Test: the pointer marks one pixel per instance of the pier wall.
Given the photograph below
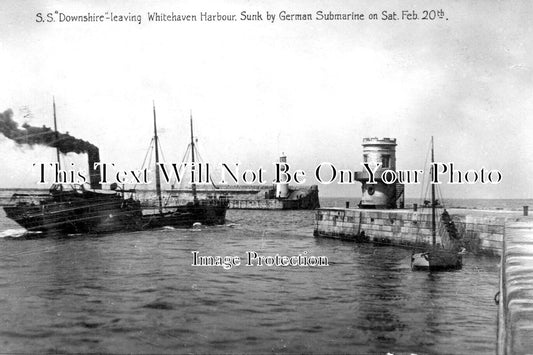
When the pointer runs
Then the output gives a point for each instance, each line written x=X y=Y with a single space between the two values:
x=394 y=227
x=482 y=231
x=241 y=197
x=515 y=312
x=482 y=234
x=258 y=197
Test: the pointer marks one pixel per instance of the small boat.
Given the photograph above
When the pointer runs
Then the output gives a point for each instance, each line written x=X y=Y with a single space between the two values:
x=437 y=259
x=210 y=211
x=448 y=255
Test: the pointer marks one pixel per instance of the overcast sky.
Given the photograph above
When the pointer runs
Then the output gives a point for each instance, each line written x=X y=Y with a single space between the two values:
x=311 y=89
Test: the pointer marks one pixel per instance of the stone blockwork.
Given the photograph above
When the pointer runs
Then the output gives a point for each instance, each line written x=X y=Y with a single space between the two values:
x=515 y=299
x=270 y=204
x=398 y=227
x=482 y=231
x=481 y=234
x=240 y=197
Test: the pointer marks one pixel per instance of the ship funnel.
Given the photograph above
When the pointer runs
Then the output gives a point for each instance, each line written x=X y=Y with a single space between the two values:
x=93 y=156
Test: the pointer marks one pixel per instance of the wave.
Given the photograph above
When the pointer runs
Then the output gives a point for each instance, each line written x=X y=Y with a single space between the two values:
x=16 y=233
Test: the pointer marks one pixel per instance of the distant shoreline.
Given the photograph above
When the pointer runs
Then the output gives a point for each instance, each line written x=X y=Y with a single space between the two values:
x=411 y=199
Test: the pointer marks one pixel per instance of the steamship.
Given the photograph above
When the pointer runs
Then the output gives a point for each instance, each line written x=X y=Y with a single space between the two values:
x=70 y=208
x=75 y=210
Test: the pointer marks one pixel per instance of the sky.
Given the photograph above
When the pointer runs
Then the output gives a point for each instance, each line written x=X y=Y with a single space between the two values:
x=310 y=89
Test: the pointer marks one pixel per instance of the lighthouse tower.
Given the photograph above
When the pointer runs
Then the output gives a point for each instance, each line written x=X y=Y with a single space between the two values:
x=379 y=195
x=282 y=188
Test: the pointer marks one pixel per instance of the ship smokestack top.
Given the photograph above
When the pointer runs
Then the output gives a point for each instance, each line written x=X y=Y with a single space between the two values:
x=30 y=135
x=93 y=156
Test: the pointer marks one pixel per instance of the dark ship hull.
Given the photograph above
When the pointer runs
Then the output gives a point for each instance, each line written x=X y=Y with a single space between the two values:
x=204 y=212
x=76 y=211
x=437 y=260
x=86 y=211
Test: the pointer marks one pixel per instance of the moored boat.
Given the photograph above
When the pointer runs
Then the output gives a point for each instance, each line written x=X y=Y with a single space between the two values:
x=437 y=259
x=448 y=255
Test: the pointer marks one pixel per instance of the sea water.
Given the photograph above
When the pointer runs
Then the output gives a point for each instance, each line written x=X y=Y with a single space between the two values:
x=138 y=293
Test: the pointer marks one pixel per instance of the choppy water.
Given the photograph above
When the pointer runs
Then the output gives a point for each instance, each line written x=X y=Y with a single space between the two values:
x=138 y=293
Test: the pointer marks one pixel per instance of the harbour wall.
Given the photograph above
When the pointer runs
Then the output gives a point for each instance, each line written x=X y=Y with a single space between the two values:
x=241 y=197
x=515 y=298
x=482 y=231
x=258 y=197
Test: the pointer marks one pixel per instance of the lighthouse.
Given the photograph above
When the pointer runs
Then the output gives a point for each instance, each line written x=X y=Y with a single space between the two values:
x=282 y=188
x=379 y=195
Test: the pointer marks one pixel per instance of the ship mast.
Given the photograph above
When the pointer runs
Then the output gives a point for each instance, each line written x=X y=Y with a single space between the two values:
x=193 y=185
x=56 y=134
x=433 y=223
x=157 y=177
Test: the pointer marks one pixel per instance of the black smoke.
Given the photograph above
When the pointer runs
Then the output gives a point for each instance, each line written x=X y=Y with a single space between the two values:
x=31 y=135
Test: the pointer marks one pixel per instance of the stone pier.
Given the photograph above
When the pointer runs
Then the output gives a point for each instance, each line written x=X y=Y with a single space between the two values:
x=515 y=313
x=482 y=231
